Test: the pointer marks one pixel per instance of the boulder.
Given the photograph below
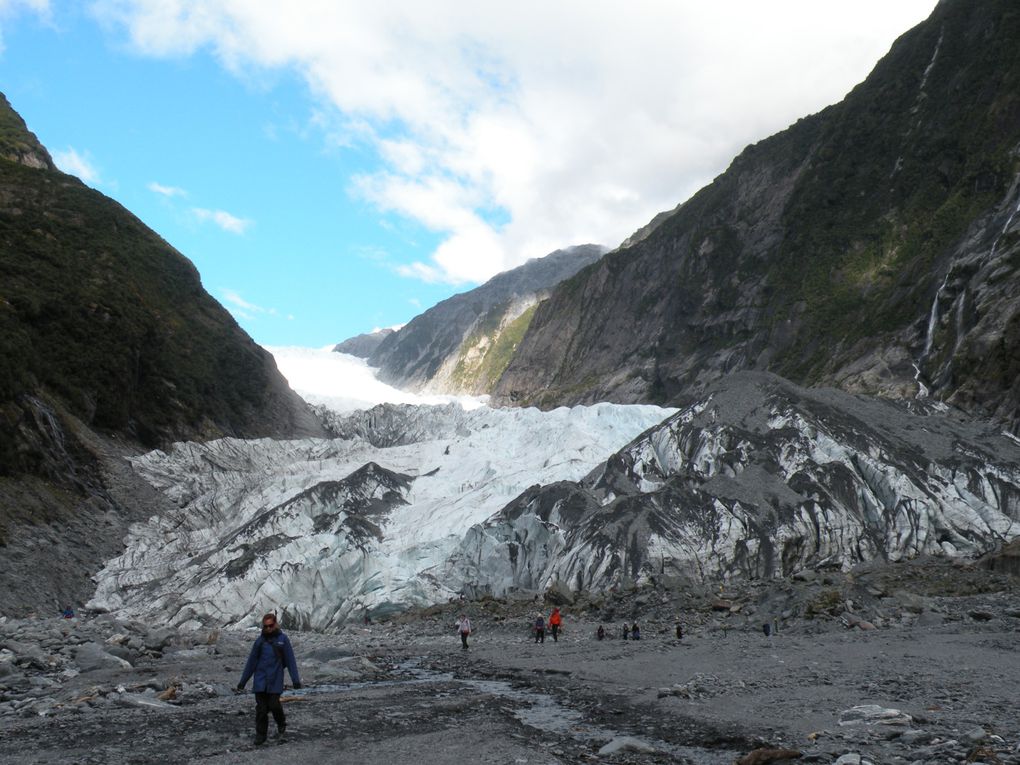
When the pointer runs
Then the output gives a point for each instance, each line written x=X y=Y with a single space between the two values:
x=91 y=656
x=559 y=594
x=157 y=639
x=873 y=714
x=627 y=744
x=765 y=755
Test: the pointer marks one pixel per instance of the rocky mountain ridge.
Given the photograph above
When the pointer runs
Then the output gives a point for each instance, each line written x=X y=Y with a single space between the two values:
x=872 y=246
x=463 y=344
x=109 y=346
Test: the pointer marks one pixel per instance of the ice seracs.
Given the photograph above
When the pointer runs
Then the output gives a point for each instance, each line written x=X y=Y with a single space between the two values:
x=760 y=479
x=330 y=529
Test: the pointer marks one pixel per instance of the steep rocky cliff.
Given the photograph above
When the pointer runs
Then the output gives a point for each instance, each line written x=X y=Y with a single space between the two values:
x=364 y=345
x=873 y=246
x=108 y=345
x=463 y=344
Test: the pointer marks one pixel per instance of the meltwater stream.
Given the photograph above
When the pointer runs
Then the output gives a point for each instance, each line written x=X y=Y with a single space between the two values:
x=540 y=711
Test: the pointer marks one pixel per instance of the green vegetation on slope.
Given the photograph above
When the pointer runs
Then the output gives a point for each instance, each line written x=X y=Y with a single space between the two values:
x=486 y=352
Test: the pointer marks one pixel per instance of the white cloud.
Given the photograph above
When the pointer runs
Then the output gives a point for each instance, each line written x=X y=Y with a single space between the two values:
x=238 y=306
x=166 y=191
x=576 y=121
x=11 y=8
x=74 y=163
x=223 y=219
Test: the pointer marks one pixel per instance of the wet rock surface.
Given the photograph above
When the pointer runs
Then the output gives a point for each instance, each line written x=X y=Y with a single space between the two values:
x=101 y=689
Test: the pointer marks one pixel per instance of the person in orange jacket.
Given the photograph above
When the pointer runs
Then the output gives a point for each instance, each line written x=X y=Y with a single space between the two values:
x=555 y=620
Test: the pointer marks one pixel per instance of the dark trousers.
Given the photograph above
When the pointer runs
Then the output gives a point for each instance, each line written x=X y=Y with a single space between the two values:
x=539 y=636
x=264 y=704
x=463 y=639
x=555 y=631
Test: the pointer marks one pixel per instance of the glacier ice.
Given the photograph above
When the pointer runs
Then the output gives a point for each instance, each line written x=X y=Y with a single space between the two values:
x=329 y=529
x=760 y=479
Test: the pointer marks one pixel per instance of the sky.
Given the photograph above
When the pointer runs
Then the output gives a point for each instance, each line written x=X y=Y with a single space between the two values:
x=332 y=167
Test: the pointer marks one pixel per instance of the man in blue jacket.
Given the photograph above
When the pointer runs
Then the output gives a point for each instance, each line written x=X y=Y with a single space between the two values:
x=270 y=653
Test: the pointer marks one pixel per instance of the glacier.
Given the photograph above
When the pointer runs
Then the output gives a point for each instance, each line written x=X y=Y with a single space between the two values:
x=760 y=478
x=326 y=530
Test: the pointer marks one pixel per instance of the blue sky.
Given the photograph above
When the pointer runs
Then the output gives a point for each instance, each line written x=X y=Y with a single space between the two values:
x=336 y=167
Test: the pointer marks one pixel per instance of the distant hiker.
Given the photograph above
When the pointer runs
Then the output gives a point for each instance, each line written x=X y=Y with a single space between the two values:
x=68 y=613
x=464 y=628
x=635 y=632
x=679 y=631
x=626 y=630
x=269 y=654
x=767 y=628
x=539 y=629
x=600 y=633
x=555 y=620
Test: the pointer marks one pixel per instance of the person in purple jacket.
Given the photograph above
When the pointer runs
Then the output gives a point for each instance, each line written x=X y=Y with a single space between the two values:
x=270 y=653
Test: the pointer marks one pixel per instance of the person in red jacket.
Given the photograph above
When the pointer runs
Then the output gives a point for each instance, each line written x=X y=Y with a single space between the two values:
x=555 y=620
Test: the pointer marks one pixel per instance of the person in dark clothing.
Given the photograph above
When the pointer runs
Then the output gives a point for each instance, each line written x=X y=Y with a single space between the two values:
x=270 y=653
x=539 y=628
x=679 y=631
x=635 y=632
x=600 y=634
x=626 y=630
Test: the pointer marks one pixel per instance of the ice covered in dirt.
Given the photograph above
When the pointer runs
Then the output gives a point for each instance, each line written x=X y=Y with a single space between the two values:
x=328 y=529
x=760 y=478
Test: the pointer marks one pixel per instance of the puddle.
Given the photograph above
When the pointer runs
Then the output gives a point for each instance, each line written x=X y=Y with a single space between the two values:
x=540 y=711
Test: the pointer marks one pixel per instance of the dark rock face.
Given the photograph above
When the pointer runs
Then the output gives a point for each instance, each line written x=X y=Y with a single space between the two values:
x=872 y=246
x=108 y=345
x=363 y=346
x=414 y=355
x=760 y=479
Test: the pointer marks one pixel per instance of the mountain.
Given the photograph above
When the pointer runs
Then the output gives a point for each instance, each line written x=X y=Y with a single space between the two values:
x=873 y=246
x=462 y=344
x=108 y=345
x=757 y=479
x=363 y=346
x=327 y=530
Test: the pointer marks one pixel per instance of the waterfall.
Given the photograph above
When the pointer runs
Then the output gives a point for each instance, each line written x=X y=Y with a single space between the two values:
x=1009 y=222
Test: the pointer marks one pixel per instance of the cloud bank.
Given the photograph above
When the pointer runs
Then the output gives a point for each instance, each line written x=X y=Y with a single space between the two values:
x=345 y=383
x=512 y=129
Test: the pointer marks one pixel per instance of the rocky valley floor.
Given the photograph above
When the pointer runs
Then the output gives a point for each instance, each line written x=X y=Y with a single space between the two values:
x=913 y=663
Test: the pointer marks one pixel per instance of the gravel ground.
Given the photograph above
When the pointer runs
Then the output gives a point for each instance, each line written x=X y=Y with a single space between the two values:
x=932 y=682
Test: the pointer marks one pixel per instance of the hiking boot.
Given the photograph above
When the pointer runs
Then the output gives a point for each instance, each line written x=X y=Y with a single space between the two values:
x=260 y=739
x=281 y=734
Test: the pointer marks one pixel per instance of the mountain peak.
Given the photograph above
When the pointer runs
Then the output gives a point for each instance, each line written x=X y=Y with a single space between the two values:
x=18 y=143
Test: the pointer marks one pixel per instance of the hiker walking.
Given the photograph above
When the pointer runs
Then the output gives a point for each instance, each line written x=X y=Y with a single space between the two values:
x=635 y=632
x=539 y=628
x=269 y=654
x=600 y=633
x=555 y=620
x=464 y=628
x=626 y=630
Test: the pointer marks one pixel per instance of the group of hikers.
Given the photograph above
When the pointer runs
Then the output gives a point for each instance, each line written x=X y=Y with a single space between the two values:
x=554 y=624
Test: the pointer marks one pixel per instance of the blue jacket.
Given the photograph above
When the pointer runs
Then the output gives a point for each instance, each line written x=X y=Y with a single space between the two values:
x=266 y=661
